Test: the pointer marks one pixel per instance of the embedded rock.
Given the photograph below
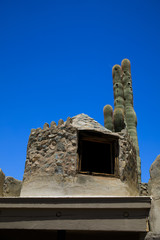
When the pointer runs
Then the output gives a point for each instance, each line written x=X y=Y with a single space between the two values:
x=60 y=122
x=53 y=124
x=152 y=236
x=12 y=187
x=144 y=190
x=45 y=126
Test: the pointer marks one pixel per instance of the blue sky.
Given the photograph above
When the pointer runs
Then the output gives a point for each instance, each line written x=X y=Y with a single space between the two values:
x=56 y=61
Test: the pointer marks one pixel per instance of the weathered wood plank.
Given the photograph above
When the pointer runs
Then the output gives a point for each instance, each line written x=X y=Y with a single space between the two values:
x=76 y=205
x=101 y=214
x=77 y=202
x=74 y=213
x=133 y=225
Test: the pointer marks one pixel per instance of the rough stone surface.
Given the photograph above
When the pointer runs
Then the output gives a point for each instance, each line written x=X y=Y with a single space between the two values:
x=2 y=177
x=84 y=122
x=127 y=161
x=51 y=164
x=45 y=126
x=60 y=122
x=51 y=152
x=144 y=190
x=12 y=187
x=154 y=186
x=152 y=236
x=53 y=124
x=154 y=181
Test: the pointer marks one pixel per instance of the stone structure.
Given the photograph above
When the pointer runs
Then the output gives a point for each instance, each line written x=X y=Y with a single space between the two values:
x=12 y=187
x=53 y=165
x=152 y=236
x=9 y=186
x=154 y=186
x=144 y=190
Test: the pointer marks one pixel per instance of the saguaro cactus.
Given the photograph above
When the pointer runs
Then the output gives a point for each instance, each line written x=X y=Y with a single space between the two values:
x=108 y=117
x=124 y=115
x=130 y=115
x=118 y=114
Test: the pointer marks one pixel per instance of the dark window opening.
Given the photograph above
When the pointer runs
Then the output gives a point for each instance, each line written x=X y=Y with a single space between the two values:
x=96 y=157
x=97 y=154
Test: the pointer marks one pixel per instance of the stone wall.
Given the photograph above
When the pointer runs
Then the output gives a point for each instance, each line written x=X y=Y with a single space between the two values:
x=52 y=156
x=51 y=151
x=154 y=190
x=152 y=236
x=12 y=187
x=9 y=186
x=154 y=186
x=128 y=162
x=144 y=189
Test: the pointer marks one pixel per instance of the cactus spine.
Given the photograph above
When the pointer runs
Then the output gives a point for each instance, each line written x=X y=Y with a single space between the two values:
x=130 y=115
x=108 y=117
x=118 y=114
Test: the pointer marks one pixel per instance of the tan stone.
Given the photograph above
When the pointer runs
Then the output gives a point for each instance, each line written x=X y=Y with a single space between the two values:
x=2 y=177
x=12 y=187
x=154 y=186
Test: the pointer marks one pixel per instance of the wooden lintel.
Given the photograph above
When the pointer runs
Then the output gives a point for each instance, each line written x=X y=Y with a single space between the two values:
x=94 y=214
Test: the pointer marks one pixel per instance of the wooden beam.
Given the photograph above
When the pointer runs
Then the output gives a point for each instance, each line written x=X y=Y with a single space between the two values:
x=93 y=214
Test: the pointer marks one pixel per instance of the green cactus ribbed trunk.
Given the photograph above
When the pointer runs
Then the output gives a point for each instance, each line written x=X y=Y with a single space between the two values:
x=123 y=115
x=108 y=117
x=118 y=114
x=130 y=115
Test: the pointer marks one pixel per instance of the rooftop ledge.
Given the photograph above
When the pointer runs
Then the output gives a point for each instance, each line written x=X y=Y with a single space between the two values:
x=76 y=213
